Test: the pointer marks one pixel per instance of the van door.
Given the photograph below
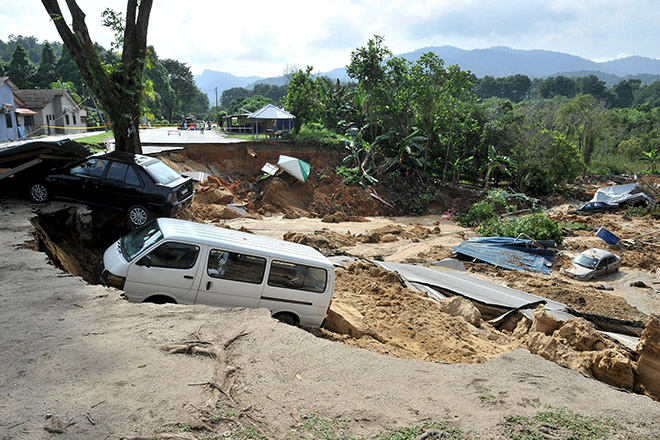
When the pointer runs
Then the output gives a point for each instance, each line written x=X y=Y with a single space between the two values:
x=169 y=270
x=303 y=289
x=231 y=279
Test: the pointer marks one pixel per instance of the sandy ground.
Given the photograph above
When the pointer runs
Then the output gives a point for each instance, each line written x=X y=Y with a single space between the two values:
x=80 y=362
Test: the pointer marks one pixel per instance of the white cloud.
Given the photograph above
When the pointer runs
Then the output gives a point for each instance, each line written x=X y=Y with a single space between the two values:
x=263 y=38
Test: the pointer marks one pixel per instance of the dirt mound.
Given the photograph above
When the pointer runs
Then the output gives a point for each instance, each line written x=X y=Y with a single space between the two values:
x=648 y=367
x=390 y=319
x=329 y=242
x=373 y=310
x=326 y=242
x=576 y=344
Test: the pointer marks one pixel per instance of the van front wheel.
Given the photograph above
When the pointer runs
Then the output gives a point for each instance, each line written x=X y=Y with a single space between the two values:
x=287 y=318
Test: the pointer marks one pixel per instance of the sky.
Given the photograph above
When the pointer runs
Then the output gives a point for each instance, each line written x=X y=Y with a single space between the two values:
x=269 y=38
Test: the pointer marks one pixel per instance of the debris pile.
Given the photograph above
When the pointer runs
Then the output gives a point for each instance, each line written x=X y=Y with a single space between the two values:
x=373 y=310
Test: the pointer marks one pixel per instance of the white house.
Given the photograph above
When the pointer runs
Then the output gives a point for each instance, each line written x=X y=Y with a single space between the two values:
x=56 y=111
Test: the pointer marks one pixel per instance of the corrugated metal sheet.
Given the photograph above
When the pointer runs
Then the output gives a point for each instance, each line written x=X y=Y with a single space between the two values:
x=470 y=287
x=508 y=253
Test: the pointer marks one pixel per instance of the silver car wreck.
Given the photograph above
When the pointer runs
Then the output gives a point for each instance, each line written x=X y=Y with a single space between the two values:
x=593 y=263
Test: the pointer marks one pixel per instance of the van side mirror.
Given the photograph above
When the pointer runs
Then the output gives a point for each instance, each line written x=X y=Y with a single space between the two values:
x=144 y=261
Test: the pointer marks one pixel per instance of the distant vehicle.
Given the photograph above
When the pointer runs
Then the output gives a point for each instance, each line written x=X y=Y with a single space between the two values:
x=144 y=187
x=177 y=261
x=596 y=207
x=637 y=199
x=593 y=263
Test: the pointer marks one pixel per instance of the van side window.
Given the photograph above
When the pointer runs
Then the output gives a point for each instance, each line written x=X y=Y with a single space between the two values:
x=174 y=255
x=297 y=276
x=236 y=267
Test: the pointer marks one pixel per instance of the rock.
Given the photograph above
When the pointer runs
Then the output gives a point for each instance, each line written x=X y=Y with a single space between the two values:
x=220 y=212
x=216 y=196
x=612 y=367
x=335 y=218
x=346 y=320
x=552 y=349
x=522 y=327
x=581 y=335
x=648 y=365
x=459 y=306
x=544 y=322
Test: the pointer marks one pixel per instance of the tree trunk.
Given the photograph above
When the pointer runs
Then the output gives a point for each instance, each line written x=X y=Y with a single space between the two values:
x=119 y=93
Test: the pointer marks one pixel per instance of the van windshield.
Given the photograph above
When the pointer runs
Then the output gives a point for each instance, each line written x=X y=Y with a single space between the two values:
x=132 y=244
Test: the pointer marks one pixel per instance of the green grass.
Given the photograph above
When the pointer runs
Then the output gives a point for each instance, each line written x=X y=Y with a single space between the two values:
x=565 y=424
x=249 y=137
x=317 y=428
x=96 y=139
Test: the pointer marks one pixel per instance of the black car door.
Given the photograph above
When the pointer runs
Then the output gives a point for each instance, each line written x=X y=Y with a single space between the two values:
x=81 y=181
x=122 y=187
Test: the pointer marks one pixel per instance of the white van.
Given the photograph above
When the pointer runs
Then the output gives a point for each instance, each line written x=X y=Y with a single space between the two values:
x=177 y=261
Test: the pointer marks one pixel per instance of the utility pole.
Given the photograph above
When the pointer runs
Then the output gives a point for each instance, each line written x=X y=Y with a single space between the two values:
x=217 y=113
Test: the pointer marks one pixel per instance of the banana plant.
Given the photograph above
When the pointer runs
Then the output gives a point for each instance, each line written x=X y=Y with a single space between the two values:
x=653 y=157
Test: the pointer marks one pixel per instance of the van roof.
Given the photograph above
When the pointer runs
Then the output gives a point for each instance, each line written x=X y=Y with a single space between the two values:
x=229 y=239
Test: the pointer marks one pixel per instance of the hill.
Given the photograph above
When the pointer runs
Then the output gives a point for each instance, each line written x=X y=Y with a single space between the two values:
x=495 y=61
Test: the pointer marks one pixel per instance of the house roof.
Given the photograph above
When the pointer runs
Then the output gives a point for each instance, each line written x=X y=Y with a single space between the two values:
x=39 y=98
x=271 y=112
x=5 y=79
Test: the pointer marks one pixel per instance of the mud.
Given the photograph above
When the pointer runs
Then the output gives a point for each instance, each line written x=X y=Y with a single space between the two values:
x=372 y=308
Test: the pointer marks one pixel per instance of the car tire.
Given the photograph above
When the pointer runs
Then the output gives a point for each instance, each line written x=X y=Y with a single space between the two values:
x=287 y=318
x=39 y=192
x=138 y=215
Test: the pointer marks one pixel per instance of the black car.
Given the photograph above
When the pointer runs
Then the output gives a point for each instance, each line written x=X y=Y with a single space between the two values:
x=596 y=207
x=144 y=187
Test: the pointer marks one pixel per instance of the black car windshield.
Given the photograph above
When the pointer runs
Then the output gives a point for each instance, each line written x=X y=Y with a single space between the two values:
x=161 y=173
x=140 y=239
x=586 y=261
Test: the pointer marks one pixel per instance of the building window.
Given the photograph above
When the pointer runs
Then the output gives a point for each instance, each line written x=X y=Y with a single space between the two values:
x=29 y=120
x=66 y=119
x=74 y=120
x=8 y=120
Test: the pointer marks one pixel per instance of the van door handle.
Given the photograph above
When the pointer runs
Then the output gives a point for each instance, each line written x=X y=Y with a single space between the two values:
x=188 y=277
x=208 y=285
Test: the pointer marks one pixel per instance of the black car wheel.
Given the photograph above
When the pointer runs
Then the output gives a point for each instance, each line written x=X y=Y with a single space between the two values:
x=286 y=318
x=138 y=215
x=38 y=192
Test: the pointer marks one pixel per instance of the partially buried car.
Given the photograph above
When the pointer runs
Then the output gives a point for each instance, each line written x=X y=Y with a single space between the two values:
x=144 y=187
x=593 y=263
x=596 y=207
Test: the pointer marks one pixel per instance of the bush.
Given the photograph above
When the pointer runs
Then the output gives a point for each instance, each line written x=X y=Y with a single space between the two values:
x=537 y=226
x=478 y=214
x=349 y=176
x=315 y=133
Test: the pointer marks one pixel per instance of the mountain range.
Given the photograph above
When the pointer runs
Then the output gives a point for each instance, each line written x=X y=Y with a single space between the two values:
x=495 y=61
